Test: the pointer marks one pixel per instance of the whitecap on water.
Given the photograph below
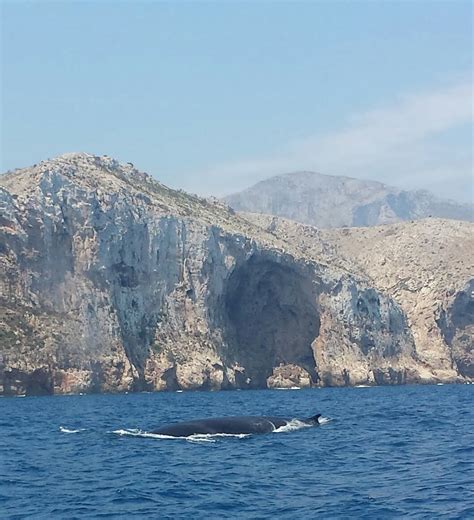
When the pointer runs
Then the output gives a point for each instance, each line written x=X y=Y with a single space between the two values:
x=67 y=430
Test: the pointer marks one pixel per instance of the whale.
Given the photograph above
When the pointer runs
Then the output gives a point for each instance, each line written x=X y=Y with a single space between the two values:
x=247 y=424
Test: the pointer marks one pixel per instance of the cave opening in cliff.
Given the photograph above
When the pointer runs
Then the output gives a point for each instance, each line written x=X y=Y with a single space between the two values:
x=272 y=317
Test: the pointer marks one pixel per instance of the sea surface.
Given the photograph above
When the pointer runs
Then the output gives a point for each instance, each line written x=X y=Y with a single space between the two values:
x=388 y=452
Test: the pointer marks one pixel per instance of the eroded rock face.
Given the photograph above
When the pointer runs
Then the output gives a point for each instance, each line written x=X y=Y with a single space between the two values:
x=289 y=376
x=456 y=322
x=426 y=267
x=112 y=282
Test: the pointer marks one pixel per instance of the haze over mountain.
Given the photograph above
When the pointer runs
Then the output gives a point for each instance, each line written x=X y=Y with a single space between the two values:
x=328 y=201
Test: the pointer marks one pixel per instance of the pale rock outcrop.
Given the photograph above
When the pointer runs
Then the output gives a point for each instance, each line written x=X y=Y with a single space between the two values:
x=289 y=376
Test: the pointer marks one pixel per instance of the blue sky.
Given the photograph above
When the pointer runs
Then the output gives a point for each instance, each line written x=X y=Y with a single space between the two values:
x=213 y=96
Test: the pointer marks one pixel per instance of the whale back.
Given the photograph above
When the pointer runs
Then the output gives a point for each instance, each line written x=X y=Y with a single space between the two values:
x=229 y=425
x=226 y=425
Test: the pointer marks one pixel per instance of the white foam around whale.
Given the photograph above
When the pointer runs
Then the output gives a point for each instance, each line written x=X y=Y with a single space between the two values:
x=324 y=420
x=294 y=424
x=199 y=437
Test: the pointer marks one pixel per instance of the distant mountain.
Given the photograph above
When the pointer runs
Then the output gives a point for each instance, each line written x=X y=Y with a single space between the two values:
x=327 y=201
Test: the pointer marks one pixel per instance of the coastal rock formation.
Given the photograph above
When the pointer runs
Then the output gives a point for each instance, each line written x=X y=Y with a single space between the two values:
x=112 y=282
x=289 y=376
x=426 y=266
x=329 y=201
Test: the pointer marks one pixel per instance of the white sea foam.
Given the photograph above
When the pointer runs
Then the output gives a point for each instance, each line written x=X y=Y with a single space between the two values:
x=201 y=437
x=324 y=420
x=67 y=430
x=211 y=437
x=297 y=424
x=294 y=424
x=140 y=433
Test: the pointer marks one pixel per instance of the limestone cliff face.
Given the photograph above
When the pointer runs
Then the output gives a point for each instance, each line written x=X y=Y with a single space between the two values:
x=110 y=281
x=426 y=266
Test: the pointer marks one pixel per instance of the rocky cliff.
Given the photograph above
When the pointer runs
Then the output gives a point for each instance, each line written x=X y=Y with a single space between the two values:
x=110 y=281
x=426 y=266
x=328 y=201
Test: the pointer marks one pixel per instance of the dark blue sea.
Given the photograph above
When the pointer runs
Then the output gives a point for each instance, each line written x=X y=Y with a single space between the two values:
x=388 y=452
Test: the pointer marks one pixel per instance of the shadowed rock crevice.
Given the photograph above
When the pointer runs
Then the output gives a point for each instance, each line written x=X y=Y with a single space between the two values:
x=37 y=382
x=457 y=326
x=272 y=317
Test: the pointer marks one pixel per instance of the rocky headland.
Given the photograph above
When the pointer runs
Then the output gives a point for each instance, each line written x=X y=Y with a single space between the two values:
x=426 y=266
x=112 y=282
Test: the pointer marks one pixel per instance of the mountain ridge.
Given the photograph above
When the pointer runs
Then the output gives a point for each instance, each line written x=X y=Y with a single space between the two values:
x=328 y=201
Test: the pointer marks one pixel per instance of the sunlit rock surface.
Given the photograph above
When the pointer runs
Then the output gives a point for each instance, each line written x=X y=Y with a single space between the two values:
x=112 y=282
x=426 y=266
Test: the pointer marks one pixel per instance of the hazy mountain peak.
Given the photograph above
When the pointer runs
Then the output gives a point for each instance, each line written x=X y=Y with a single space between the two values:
x=329 y=201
